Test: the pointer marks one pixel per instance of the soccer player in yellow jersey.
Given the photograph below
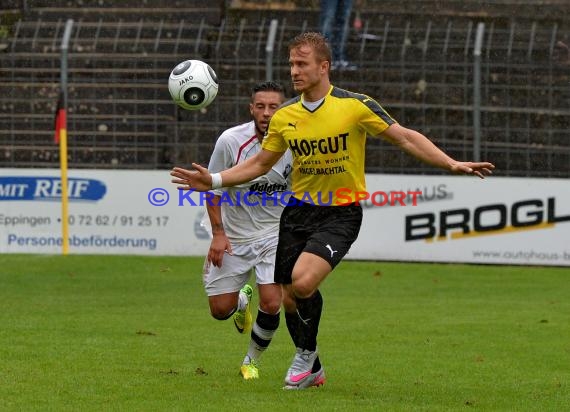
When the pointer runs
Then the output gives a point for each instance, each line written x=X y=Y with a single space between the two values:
x=325 y=128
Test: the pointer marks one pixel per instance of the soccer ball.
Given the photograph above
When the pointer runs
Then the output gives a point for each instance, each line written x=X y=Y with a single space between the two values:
x=193 y=84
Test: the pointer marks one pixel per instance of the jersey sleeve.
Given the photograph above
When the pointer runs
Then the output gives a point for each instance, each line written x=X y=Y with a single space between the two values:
x=375 y=119
x=221 y=158
x=273 y=140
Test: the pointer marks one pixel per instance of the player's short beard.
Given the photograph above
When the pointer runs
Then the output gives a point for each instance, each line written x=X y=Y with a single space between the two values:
x=257 y=129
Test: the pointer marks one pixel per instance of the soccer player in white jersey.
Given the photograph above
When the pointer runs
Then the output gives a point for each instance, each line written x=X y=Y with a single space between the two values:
x=245 y=225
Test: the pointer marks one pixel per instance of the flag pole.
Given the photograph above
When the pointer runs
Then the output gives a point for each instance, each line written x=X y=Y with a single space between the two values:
x=63 y=139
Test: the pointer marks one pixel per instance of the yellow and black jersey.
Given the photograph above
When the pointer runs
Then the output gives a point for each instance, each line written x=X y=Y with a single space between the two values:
x=328 y=143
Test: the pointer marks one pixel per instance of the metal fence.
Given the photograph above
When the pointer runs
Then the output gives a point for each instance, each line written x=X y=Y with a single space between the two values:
x=513 y=95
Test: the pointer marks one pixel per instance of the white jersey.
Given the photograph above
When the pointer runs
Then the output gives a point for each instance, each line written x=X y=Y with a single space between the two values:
x=250 y=211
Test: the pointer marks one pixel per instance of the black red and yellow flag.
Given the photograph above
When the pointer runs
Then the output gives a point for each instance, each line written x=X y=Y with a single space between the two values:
x=60 y=119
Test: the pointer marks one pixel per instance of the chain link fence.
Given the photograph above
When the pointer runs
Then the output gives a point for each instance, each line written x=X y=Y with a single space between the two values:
x=514 y=96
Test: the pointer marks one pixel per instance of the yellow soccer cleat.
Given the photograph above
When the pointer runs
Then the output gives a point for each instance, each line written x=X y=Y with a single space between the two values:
x=242 y=318
x=249 y=371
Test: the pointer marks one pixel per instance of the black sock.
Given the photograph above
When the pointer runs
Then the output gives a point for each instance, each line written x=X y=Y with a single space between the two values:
x=268 y=325
x=292 y=320
x=309 y=311
x=316 y=365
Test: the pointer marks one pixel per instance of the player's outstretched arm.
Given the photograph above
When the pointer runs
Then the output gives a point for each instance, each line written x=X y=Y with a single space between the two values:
x=422 y=148
x=200 y=179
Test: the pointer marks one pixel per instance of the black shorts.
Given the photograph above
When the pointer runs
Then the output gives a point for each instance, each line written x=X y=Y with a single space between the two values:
x=325 y=231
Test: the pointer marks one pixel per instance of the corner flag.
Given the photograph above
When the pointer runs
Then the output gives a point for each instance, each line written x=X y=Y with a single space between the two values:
x=60 y=119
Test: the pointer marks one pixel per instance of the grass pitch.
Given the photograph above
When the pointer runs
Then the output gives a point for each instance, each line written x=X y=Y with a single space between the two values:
x=96 y=333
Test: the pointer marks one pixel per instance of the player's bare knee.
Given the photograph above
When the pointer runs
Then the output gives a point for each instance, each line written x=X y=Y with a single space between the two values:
x=303 y=288
x=270 y=298
x=222 y=310
x=270 y=307
x=220 y=314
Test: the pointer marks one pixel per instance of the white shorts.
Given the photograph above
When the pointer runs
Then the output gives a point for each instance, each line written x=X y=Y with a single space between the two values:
x=236 y=268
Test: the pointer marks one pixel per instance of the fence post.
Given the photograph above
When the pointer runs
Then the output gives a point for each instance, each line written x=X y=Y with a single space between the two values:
x=269 y=48
x=477 y=92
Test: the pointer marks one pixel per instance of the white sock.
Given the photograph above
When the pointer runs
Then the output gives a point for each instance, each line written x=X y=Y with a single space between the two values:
x=246 y=360
x=254 y=351
x=242 y=301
